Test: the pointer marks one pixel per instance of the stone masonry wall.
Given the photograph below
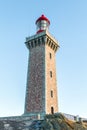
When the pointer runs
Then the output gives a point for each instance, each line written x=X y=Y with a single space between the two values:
x=51 y=83
x=35 y=93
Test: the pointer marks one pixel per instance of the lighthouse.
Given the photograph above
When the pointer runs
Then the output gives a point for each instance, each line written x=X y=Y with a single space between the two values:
x=41 y=88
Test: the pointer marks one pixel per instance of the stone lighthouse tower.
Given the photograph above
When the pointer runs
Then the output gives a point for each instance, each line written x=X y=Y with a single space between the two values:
x=41 y=90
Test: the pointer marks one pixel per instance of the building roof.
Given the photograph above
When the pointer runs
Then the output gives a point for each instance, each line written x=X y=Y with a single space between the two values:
x=42 y=18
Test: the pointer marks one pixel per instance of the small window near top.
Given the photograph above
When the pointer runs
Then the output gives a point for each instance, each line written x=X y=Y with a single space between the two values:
x=50 y=55
x=51 y=74
x=51 y=93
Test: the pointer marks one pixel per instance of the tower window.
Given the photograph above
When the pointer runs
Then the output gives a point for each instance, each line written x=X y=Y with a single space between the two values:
x=52 y=110
x=51 y=93
x=51 y=74
x=50 y=55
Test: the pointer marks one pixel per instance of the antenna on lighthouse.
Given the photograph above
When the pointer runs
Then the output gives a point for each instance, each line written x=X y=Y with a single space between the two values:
x=42 y=23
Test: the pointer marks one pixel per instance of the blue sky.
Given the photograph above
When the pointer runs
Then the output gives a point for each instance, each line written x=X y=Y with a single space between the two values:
x=69 y=26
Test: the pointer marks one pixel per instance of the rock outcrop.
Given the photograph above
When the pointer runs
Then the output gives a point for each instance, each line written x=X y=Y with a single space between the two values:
x=50 y=122
x=60 y=122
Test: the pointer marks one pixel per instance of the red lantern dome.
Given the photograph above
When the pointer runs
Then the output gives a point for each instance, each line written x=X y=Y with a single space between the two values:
x=42 y=24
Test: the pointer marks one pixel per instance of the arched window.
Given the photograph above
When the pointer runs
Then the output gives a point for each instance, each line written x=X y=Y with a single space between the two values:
x=51 y=93
x=50 y=55
x=51 y=74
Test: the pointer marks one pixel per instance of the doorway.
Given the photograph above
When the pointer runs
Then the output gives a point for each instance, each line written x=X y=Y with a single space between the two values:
x=52 y=110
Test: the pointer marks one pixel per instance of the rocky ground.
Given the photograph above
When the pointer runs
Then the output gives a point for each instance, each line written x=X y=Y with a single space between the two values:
x=59 y=122
x=50 y=122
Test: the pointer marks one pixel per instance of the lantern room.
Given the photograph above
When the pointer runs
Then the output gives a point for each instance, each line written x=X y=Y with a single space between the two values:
x=42 y=24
